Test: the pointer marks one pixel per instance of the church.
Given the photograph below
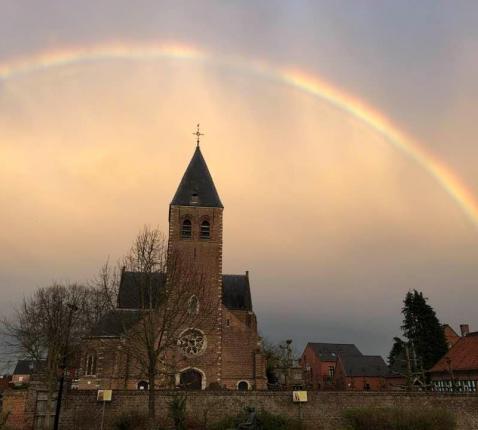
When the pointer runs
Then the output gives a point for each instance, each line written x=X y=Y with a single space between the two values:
x=229 y=354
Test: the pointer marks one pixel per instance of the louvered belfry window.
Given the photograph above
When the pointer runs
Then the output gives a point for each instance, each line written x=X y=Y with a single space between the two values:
x=205 y=230
x=186 y=229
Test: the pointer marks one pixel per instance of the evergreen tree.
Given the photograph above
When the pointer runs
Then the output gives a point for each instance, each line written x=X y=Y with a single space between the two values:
x=423 y=330
x=397 y=352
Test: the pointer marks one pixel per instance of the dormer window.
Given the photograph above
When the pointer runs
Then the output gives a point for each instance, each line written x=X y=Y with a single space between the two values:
x=194 y=199
x=205 y=232
x=186 y=229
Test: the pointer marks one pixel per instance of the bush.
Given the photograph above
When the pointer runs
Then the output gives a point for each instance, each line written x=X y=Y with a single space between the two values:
x=130 y=421
x=177 y=411
x=266 y=421
x=398 y=419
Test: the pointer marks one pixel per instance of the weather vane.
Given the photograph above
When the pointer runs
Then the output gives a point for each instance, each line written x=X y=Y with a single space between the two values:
x=198 y=135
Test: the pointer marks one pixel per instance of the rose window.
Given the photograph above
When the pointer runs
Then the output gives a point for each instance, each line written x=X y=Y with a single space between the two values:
x=192 y=342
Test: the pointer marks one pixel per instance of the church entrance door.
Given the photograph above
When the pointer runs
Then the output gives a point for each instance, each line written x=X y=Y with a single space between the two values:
x=191 y=379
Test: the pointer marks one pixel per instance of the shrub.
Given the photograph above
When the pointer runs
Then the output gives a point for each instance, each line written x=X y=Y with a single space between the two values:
x=130 y=421
x=177 y=411
x=394 y=418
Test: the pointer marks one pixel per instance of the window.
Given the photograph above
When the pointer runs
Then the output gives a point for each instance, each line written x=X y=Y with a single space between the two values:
x=186 y=229
x=193 y=305
x=331 y=371
x=90 y=365
x=243 y=386
x=143 y=386
x=194 y=198
x=205 y=230
x=192 y=342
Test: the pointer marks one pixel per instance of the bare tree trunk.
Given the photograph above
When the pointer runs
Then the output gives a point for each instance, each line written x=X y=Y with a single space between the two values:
x=151 y=400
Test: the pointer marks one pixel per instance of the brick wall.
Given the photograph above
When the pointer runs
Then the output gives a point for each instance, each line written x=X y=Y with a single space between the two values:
x=14 y=404
x=81 y=411
x=323 y=411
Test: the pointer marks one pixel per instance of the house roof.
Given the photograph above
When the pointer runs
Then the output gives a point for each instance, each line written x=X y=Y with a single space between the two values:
x=330 y=351
x=236 y=292
x=364 y=365
x=463 y=355
x=25 y=367
x=197 y=187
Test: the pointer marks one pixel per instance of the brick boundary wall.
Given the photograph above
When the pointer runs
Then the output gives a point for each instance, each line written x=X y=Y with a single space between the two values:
x=323 y=411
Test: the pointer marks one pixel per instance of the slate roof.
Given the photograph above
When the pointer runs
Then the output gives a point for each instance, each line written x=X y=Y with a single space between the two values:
x=236 y=292
x=116 y=322
x=364 y=365
x=197 y=187
x=134 y=291
x=462 y=356
x=25 y=367
x=330 y=351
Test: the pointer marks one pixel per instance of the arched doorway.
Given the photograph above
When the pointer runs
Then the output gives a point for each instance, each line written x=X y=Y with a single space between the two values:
x=191 y=379
x=143 y=385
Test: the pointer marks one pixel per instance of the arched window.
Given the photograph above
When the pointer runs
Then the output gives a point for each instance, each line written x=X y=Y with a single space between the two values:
x=90 y=364
x=205 y=230
x=186 y=229
x=193 y=305
x=143 y=385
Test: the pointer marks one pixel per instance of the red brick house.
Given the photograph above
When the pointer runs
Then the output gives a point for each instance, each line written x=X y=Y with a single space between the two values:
x=228 y=354
x=319 y=361
x=361 y=373
x=458 y=369
x=23 y=372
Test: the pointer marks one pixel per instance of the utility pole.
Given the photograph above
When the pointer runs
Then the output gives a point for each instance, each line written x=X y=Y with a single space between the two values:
x=56 y=424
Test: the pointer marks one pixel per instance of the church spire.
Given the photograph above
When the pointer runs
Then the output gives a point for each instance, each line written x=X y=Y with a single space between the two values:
x=197 y=187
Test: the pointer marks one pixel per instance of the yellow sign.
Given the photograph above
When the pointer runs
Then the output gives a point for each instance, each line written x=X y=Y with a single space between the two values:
x=299 y=396
x=104 y=395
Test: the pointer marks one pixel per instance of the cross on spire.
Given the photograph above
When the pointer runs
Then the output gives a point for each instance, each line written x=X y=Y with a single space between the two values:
x=198 y=135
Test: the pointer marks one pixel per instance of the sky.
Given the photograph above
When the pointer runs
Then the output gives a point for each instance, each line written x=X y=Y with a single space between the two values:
x=333 y=219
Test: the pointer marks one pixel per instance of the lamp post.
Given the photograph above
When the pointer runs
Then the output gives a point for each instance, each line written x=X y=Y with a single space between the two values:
x=72 y=309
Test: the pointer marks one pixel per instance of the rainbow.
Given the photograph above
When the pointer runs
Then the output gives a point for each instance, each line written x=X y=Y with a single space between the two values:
x=297 y=79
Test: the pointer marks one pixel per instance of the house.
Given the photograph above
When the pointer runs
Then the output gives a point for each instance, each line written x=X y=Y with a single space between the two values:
x=23 y=372
x=361 y=373
x=457 y=370
x=319 y=361
x=224 y=352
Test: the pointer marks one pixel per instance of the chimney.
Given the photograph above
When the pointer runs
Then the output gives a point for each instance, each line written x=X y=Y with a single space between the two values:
x=465 y=329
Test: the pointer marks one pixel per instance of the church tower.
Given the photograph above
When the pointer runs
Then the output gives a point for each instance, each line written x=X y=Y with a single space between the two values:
x=195 y=232
x=222 y=350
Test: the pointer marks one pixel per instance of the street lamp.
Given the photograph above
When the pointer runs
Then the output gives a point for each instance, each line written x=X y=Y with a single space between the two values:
x=72 y=308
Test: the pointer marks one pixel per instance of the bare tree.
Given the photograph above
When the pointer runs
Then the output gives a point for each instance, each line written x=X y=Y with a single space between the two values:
x=176 y=310
x=104 y=290
x=41 y=327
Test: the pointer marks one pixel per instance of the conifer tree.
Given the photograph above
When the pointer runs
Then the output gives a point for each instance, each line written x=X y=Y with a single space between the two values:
x=423 y=330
